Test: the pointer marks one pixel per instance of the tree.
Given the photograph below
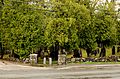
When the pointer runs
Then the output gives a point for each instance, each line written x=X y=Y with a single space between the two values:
x=22 y=27
x=1 y=44
x=106 y=24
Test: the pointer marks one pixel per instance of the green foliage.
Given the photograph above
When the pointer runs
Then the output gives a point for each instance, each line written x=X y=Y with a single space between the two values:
x=28 y=25
x=105 y=24
x=22 y=27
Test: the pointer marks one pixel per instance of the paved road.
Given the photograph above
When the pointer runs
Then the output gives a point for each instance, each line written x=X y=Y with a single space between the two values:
x=12 y=71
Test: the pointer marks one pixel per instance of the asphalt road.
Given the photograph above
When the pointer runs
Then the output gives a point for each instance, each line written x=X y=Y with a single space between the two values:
x=13 y=71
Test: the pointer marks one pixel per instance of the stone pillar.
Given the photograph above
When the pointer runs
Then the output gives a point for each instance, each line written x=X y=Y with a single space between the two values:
x=33 y=59
x=61 y=59
x=44 y=60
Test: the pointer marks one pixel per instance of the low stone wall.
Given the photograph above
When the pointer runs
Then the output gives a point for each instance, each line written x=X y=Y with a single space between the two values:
x=101 y=59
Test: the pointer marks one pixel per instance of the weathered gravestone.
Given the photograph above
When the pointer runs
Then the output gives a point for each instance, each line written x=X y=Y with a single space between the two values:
x=33 y=59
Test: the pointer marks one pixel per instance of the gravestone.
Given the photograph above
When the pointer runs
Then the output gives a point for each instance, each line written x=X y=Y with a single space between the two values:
x=33 y=59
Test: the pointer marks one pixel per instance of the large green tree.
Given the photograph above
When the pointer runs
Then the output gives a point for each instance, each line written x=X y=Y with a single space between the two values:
x=22 y=27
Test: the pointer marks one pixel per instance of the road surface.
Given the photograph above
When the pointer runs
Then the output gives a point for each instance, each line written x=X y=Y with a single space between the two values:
x=14 y=71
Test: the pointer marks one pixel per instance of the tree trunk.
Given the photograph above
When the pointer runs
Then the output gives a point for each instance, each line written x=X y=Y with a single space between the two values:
x=88 y=51
x=113 y=50
x=2 y=51
x=103 y=52
x=54 y=51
